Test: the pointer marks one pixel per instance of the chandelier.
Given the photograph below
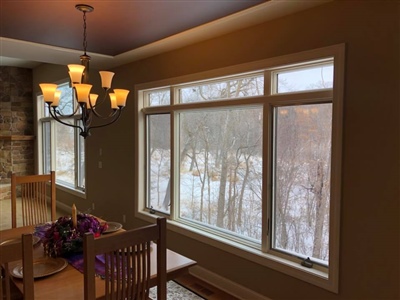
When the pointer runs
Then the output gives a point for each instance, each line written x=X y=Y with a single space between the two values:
x=86 y=103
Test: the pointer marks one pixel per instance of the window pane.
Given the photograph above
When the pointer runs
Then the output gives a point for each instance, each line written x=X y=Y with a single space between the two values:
x=159 y=162
x=242 y=87
x=302 y=164
x=66 y=105
x=65 y=153
x=221 y=169
x=312 y=78
x=159 y=97
x=46 y=147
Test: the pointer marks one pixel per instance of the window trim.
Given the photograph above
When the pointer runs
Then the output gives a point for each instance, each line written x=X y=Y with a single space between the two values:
x=41 y=118
x=329 y=280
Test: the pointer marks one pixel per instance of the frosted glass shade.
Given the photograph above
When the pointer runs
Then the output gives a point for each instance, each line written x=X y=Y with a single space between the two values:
x=48 y=90
x=113 y=100
x=93 y=100
x=106 y=79
x=57 y=95
x=75 y=73
x=82 y=92
x=121 y=96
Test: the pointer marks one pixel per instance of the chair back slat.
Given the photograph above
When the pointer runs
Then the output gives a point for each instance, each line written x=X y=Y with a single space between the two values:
x=34 y=203
x=34 y=191
x=127 y=262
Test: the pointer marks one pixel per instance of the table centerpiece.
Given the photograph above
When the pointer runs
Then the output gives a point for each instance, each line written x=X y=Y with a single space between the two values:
x=65 y=236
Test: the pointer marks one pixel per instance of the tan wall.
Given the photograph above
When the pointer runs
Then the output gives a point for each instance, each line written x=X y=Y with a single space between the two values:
x=369 y=249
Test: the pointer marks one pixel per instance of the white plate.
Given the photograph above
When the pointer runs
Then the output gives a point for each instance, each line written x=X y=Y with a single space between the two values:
x=10 y=241
x=35 y=239
x=42 y=267
x=112 y=227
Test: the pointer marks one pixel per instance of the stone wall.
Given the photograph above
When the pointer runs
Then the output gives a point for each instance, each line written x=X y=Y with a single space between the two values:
x=16 y=125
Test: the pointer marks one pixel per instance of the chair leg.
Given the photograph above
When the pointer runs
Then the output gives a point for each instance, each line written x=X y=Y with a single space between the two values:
x=5 y=291
x=2 y=283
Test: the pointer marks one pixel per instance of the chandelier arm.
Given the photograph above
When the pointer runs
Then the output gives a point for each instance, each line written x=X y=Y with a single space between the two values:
x=75 y=96
x=75 y=109
x=111 y=114
x=66 y=116
x=101 y=101
x=116 y=116
x=55 y=117
x=86 y=117
x=93 y=108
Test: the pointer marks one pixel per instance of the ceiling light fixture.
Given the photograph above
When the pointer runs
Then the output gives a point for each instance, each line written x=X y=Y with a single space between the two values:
x=86 y=103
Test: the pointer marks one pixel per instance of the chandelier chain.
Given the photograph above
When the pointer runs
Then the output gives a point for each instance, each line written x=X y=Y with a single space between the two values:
x=84 y=33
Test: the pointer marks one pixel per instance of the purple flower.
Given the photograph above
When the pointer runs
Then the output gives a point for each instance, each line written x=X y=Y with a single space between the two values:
x=62 y=239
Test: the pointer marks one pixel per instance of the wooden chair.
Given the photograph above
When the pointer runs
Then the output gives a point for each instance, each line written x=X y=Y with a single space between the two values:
x=127 y=262
x=12 y=252
x=34 y=191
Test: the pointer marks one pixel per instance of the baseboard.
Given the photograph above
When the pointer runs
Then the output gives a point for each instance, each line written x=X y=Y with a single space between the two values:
x=225 y=285
x=63 y=207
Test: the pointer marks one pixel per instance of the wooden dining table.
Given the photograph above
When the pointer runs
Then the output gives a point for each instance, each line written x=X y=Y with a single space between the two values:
x=68 y=283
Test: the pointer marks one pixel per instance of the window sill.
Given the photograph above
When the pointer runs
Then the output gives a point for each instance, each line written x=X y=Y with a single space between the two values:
x=77 y=193
x=313 y=276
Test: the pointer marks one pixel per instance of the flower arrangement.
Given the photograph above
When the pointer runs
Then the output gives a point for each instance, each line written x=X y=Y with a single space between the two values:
x=63 y=238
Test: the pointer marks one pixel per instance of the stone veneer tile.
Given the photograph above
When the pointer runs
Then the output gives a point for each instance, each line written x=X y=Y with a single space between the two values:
x=16 y=118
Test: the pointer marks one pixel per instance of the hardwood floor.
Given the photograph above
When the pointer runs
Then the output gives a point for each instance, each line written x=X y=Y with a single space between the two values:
x=203 y=289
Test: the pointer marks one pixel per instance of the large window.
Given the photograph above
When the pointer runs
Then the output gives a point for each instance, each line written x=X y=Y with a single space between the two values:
x=251 y=160
x=62 y=149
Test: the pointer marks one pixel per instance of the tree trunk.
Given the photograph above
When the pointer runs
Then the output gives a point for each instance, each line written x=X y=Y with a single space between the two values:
x=222 y=189
x=320 y=211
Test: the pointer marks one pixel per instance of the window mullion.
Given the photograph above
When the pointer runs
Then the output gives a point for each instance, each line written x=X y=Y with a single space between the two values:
x=267 y=178
x=269 y=83
x=53 y=145
x=175 y=158
x=77 y=157
x=174 y=167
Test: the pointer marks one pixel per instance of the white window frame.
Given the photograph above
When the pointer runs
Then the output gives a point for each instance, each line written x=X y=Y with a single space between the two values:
x=41 y=118
x=327 y=279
